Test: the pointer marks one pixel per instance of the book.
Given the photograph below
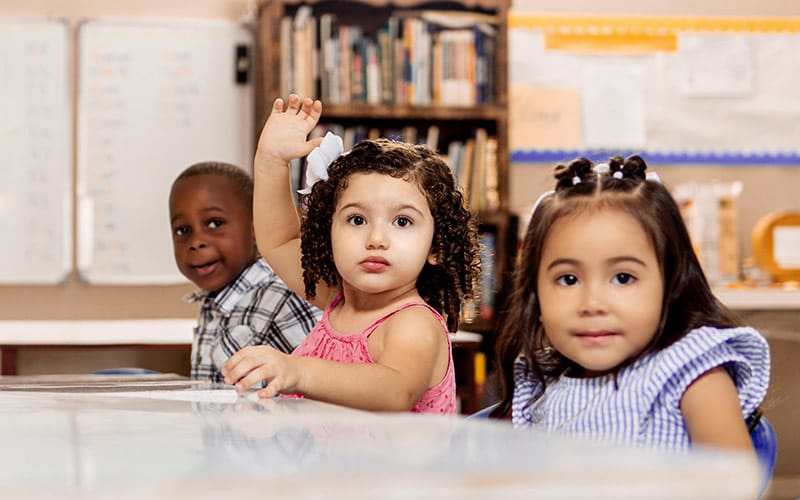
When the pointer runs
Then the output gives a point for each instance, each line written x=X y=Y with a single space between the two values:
x=492 y=181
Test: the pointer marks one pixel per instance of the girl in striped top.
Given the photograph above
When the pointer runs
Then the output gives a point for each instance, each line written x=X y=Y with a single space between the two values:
x=613 y=331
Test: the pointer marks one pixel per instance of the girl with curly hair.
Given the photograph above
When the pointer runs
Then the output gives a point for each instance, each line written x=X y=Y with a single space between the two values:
x=386 y=247
x=613 y=331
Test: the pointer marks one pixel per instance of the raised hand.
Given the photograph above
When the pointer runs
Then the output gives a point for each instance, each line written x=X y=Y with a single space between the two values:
x=285 y=134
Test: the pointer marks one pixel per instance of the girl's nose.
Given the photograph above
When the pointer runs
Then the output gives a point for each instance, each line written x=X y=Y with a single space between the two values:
x=376 y=238
x=592 y=301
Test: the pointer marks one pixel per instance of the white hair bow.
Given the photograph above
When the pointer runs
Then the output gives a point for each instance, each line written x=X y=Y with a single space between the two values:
x=320 y=158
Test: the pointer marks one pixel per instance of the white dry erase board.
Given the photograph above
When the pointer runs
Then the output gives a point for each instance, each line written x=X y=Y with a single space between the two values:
x=153 y=98
x=35 y=132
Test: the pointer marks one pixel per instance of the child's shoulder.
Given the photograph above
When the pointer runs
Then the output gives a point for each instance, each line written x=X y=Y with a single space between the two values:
x=742 y=339
x=413 y=317
x=742 y=350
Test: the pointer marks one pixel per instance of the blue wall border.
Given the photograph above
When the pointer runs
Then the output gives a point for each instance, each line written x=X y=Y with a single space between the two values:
x=654 y=157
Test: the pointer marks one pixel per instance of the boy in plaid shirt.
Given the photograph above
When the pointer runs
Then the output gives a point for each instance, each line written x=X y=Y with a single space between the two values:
x=242 y=301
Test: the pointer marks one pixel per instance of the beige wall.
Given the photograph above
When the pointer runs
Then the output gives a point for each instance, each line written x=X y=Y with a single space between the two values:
x=671 y=7
x=74 y=299
x=75 y=10
x=766 y=189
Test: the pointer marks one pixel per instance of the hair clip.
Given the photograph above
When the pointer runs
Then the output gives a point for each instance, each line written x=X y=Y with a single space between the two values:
x=618 y=174
x=540 y=199
x=576 y=180
x=320 y=159
x=652 y=176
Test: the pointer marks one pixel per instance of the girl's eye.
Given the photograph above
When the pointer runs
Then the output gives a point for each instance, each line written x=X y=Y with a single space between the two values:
x=623 y=279
x=356 y=220
x=567 y=280
x=403 y=221
x=215 y=223
x=181 y=231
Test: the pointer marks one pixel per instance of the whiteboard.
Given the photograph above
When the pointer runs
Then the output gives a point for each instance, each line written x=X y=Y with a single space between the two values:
x=35 y=132
x=153 y=98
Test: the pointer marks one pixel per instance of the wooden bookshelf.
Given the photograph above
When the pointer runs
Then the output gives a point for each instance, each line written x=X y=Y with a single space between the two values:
x=480 y=113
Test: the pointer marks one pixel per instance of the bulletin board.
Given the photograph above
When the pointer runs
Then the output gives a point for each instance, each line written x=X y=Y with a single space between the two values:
x=35 y=133
x=153 y=98
x=674 y=89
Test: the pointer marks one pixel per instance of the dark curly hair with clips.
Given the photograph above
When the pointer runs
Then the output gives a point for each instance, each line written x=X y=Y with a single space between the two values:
x=688 y=302
x=455 y=243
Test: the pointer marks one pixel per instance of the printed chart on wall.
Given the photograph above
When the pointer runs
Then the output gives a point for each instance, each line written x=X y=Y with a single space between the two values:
x=35 y=131
x=676 y=90
x=153 y=99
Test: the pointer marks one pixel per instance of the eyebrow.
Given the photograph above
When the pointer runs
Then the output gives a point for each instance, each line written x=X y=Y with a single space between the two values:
x=614 y=260
x=398 y=208
x=204 y=211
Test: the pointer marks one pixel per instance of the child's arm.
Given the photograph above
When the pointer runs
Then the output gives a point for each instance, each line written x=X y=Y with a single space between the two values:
x=712 y=412
x=277 y=226
x=413 y=357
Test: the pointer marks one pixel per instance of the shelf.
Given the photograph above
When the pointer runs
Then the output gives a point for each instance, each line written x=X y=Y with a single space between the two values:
x=343 y=31
x=402 y=111
x=759 y=299
x=408 y=4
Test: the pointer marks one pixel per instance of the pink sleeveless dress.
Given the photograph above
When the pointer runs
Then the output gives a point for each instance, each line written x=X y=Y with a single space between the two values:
x=326 y=343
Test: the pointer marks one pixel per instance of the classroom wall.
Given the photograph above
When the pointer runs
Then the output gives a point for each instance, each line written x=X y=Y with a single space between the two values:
x=75 y=299
x=766 y=189
x=671 y=7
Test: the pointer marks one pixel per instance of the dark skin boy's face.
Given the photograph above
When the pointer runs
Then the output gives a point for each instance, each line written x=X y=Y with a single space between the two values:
x=212 y=231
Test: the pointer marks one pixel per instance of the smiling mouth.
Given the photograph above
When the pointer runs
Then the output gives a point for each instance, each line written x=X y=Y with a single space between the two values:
x=205 y=269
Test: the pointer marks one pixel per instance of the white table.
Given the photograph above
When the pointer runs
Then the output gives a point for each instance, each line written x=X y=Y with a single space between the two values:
x=132 y=438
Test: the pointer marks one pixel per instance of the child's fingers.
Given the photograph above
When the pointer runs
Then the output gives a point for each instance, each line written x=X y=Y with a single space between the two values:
x=294 y=103
x=272 y=389
x=238 y=365
x=316 y=141
x=255 y=376
x=314 y=110
x=277 y=105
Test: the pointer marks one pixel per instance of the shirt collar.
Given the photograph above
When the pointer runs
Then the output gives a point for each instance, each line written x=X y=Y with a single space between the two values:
x=226 y=299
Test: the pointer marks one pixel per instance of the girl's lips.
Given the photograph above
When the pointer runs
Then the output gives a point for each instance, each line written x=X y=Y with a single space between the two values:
x=595 y=337
x=374 y=265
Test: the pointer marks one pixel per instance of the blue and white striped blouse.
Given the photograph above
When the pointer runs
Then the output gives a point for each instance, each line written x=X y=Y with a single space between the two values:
x=645 y=407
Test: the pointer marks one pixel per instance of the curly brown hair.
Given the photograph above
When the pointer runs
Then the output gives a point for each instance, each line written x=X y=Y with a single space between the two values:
x=455 y=241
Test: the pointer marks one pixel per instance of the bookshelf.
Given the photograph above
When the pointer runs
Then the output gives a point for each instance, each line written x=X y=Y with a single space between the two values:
x=418 y=71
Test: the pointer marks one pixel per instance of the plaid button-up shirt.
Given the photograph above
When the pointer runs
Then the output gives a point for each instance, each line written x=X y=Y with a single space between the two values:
x=257 y=308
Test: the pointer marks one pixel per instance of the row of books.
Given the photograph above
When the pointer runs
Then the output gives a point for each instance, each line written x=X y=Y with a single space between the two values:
x=474 y=160
x=482 y=305
x=416 y=57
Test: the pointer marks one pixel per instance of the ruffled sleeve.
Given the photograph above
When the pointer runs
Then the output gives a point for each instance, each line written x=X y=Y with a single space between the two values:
x=742 y=351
